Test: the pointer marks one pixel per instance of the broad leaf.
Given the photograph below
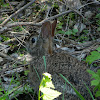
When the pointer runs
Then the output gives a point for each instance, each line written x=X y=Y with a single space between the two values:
x=94 y=56
x=95 y=82
x=49 y=94
x=97 y=94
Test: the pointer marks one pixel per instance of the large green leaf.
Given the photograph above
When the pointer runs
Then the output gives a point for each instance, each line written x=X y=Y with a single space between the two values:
x=69 y=32
x=98 y=72
x=47 y=88
x=94 y=56
x=98 y=49
x=95 y=82
x=49 y=94
x=97 y=94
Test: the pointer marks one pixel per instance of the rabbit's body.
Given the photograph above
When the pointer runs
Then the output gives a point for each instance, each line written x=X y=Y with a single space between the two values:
x=68 y=66
x=56 y=63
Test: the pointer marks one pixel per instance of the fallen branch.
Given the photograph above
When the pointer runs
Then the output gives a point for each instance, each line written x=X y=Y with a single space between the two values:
x=32 y=23
x=3 y=29
x=18 y=11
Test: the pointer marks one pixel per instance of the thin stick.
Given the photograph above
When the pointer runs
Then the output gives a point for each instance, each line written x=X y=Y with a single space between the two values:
x=18 y=11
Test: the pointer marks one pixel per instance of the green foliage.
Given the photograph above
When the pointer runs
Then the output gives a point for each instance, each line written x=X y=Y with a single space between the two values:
x=69 y=32
x=55 y=5
x=15 y=91
x=26 y=72
x=44 y=8
x=21 y=55
x=71 y=16
x=77 y=93
x=94 y=55
x=82 y=37
x=5 y=5
x=17 y=29
x=98 y=29
x=2 y=4
x=98 y=22
x=47 y=88
x=89 y=92
x=5 y=38
x=98 y=16
x=59 y=26
x=44 y=62
x=96 y=81
x=86 y=31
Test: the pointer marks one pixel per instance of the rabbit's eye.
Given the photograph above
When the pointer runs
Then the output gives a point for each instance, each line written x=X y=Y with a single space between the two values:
x=33 y=40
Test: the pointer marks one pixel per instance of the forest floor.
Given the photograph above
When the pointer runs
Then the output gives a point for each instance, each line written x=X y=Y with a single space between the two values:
x=77 y=32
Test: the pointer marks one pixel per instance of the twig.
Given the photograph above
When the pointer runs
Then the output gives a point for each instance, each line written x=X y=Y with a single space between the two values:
x=9 y=4
x=32 y=23
x=2 y=71
x=95 y=2
x=18 y=11
x=6 y=56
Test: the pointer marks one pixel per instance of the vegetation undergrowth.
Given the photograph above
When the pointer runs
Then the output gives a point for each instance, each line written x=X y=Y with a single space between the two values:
x=65 y=28
x=17 y=89
x=95 y=81
x=94 y=55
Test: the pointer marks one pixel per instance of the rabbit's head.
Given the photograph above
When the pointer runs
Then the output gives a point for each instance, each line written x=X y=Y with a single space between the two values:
x=39 y=44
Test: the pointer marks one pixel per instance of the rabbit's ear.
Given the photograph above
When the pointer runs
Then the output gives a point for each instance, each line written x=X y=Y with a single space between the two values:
x=54 y=27
x=47 y=33
x=46 y=29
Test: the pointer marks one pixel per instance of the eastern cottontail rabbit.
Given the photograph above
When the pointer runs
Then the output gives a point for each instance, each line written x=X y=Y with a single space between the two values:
x=74 y=70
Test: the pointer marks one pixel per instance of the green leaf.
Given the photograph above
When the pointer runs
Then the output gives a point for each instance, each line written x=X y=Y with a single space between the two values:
x=46 y=81
x=3 y=98
x=95 y=82
x=44 y=62
x=59 y=26
x=90 y=72
x=98 y=16
x=1 y=93
x=5 y=5
x=0 y=89
x=98 y=72
x=69 y=32
x=26 y=72
x=94 y=75
x=98 y=49
x=85 y=31
x=97 y=94
x=89 y=92
x=95 y=88
x=75 y=30
x=94 y=56
x=47 y=88
x=98 y=29
x=61 y=32
x=49 y=94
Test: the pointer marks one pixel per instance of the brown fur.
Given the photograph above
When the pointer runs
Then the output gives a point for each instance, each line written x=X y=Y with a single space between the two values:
x=68 y=66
